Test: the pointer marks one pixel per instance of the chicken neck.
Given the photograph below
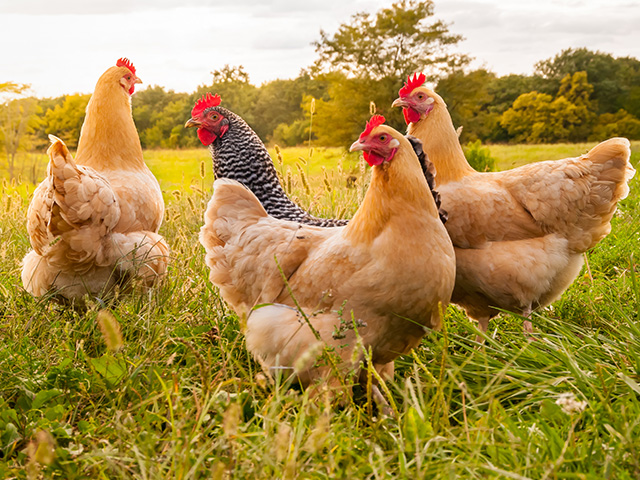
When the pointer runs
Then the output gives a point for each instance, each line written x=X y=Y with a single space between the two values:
x=240 y=155
x=398 y=192
x=109 y=139
x=441 y=144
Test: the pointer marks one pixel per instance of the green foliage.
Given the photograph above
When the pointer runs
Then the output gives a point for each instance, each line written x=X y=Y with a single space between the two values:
x=467 y=96
x=237 y=94
x=396 y=41
x=612 y=78
x=159 y=117
x=574 y=96
x=619 y=124
x=537 y=118
x=18 y=120
x=340 y=119
x=290 y=135
x=65 y=119
x=478 y=157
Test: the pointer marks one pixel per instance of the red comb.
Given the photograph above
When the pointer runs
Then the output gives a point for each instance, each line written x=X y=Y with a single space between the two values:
x=205 y=102
x=124 y=62
x=375 y=121
x=411 y=83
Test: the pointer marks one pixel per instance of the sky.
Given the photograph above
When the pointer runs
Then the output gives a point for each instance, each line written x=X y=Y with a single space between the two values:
x=63 y=46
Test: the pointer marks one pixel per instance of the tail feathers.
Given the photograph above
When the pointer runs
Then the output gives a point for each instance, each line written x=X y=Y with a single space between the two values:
x=609 y=174
x=231 y=209
x=613 y=155
x=81 y=196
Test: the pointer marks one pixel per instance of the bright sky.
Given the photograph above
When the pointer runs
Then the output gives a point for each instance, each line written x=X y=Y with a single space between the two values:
x=63 y=46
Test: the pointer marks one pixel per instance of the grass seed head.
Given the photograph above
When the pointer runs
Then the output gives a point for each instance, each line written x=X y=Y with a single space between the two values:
x=289 y=181
x=282 y=443
x=279 y=157
x=319 y=435
x=303 y=177
x=305 y=361
x=110 y=329
x=231 y=420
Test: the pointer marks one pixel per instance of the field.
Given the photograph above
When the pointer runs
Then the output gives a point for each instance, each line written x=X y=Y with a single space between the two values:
x=182 y=399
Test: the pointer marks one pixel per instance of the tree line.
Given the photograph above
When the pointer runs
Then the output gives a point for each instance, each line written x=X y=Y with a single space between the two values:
x=578 y=95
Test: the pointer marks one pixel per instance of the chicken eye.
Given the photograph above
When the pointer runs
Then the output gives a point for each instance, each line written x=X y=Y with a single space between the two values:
x=128 y=77
x=420 y=96
x=382 y=138
x=213 y=116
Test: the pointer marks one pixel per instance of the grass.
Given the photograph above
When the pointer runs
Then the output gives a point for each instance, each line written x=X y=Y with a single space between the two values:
x=182 y=399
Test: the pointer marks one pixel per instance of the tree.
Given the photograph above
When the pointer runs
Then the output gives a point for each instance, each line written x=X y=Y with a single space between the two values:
x=612 y=78
x=160 y=116
x=167 y=125
x=538 y=118
x=237 y=94
x=339 y=120
x=278 y=104
x=395 y=42
x=619 y=124
x=65 y=120
x=577 y=90
x=17 y=119
x=468 y=98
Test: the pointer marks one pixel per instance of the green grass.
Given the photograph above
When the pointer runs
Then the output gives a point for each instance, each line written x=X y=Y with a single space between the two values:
x=182 y=398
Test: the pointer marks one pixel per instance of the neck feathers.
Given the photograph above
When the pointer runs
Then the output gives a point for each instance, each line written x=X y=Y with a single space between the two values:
x=109 y=139
x=398 y=193
x=441 y=144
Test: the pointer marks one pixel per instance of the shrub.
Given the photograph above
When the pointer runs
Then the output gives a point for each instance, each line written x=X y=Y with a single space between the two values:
x=479 y=157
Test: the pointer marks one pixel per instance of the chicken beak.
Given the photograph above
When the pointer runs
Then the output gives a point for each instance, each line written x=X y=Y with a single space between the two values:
x=137 y=80
x=357 y=146
x=191 y=123
x=400 y=102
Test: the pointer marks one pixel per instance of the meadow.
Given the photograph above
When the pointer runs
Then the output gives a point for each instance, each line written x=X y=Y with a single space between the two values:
x=160 y=385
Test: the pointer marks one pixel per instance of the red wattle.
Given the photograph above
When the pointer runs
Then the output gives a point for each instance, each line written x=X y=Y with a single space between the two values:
x=410 y=115
x=206 y=137
x=373 y=158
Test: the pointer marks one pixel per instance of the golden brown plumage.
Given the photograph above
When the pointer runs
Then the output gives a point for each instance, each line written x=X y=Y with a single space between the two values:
x=392 y=266
x=519 y=235
x=94 y=221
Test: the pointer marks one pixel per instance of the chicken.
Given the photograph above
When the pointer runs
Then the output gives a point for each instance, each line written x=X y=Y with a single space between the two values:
x=95 y=221
x=519 y=235
x=239 y=154
x=392 y=267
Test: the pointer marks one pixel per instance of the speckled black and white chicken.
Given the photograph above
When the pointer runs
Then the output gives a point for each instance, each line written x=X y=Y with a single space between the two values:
x=239 y=154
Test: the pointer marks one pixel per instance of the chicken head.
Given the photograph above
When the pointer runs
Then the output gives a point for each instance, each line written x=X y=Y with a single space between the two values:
x=210 y=122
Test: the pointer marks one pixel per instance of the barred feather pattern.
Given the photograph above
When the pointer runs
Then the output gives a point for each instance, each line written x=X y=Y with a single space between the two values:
x=240 y=155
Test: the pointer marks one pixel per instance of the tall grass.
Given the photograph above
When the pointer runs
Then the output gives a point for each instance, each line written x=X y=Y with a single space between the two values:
x=181 y=398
